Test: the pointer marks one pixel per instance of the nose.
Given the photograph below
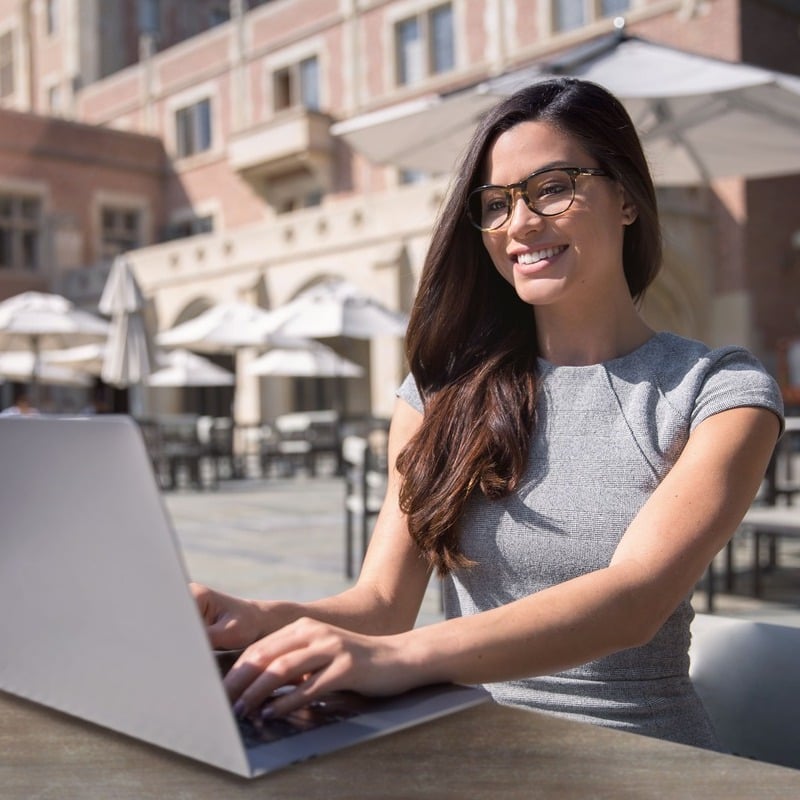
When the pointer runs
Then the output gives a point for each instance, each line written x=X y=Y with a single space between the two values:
x=522 y=218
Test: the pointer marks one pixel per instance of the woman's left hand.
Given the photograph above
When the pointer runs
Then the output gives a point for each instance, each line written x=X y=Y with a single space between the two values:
x=317 y=659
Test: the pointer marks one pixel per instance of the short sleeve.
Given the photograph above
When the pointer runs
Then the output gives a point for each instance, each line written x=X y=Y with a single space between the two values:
x=735 y=379
x=409 y=392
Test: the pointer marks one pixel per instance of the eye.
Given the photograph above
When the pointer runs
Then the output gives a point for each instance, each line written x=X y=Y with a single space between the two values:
x=494 y=200
x=550 y=187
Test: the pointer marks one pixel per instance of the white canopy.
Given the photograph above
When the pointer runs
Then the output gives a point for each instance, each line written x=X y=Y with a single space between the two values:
x=699 y=118
x=333 y=308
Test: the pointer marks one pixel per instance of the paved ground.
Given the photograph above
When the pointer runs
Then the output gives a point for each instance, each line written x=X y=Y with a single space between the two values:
x=284 y=538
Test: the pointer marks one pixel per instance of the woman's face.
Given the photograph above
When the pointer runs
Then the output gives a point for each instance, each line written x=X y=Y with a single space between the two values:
x=570 y=258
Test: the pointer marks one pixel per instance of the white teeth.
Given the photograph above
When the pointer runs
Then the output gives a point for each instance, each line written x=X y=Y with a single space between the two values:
x=538 y=255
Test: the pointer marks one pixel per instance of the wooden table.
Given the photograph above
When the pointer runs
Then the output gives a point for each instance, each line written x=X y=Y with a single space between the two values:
x=484 y=752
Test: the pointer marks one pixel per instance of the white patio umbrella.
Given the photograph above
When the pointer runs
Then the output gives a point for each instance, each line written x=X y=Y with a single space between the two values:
x=86 y=358
x=699 y=118
x=129 y=355
x=336 y=308
x=223 y=328
x=183 y=368
x=17 y=365
x=35 y=321
x=305 y=359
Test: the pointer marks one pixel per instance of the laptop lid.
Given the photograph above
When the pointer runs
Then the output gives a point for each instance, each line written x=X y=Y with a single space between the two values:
x=103 y=624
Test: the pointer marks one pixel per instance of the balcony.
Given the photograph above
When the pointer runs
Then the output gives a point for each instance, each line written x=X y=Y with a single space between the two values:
x=297 y=139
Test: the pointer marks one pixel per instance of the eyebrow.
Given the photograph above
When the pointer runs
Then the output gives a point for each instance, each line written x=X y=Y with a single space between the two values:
x=550 y=165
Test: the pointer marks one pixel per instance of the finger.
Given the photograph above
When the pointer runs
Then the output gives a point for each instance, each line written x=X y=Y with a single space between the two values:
x=315 y=686
x=250 y=686
x=224 y=634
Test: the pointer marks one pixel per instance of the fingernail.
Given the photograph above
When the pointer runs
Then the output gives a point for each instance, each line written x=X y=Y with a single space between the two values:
x=267 y=711
x=239 y=708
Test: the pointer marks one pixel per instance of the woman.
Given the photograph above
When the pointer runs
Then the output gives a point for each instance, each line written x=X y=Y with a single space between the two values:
x=567 y=470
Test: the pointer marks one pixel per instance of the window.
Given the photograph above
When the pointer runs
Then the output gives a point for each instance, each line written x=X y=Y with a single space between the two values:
x=149 y=16
x=189 y=227
x=51 y=17
x=425 y=45
x=297 y=86
x=20 y=232
x=292 y=191
x=407 y=176
x=193 y=128
x=571 y=14
x=54 y=100
x=6 y=64
x=120 y=230
x=218 y=16
x=309 y=200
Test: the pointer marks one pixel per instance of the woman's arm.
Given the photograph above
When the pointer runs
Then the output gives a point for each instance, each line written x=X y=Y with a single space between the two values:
x=385 y=599
x=661 y=556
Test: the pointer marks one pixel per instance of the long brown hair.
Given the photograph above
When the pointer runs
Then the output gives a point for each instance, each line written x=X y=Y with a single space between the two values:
x=471 y=341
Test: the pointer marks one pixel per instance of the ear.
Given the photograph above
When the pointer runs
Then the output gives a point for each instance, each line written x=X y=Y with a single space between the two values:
x=629 y=210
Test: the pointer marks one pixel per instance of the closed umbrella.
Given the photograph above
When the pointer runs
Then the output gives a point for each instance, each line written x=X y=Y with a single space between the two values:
x=129 y=355
x=699 y=118
x=35 y=321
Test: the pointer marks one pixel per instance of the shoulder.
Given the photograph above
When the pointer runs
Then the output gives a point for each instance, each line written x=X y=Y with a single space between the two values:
x=409 y=392
x=705 y=381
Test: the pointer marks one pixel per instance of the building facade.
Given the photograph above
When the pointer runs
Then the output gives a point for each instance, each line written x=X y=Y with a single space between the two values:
x=259 y=199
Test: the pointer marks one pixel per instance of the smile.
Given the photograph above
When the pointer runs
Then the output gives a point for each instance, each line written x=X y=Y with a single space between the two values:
x=540 y=255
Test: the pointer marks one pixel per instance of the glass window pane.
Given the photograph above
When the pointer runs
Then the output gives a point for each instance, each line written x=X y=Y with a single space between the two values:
x=611 y=7
x=442 y=44
x=309 y=84
x=282 y=89
x=29 y=208
x=182 y=134
x=410 y=61
x=5 y=249
x=29 y=250
x=569 y=14
x=6 y=64
x=203 y=120
x=193 y=128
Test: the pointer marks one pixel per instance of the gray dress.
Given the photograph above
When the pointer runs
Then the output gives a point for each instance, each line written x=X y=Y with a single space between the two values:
x=606 y=435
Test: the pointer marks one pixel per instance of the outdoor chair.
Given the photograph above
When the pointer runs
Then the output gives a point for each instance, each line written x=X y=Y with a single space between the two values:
x=185 y=455
x=748 y=676
x=365 y=470
x=302 y=438
x=215 y=435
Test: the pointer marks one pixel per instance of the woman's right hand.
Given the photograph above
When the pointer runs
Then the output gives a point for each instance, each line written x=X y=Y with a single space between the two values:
x=231 y=622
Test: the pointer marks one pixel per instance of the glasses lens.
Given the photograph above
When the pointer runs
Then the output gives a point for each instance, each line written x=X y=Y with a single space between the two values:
x=489 y=208
x=548 y=194
x=551 y=192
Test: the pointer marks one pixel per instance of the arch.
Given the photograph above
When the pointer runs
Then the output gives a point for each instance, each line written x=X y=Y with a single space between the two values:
x=192 y=309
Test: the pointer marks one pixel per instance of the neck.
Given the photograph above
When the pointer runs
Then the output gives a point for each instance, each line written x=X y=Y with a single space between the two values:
x=569 y=339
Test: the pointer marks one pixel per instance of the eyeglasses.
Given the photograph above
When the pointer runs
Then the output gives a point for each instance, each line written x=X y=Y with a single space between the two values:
x=547 y=192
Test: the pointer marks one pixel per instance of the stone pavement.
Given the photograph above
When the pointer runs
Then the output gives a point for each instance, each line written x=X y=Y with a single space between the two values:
x=284 y=538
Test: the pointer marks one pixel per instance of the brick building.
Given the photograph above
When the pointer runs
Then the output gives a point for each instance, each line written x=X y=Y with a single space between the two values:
x=220 y=171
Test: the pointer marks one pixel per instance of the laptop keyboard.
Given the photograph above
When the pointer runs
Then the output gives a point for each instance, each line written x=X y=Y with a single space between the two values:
x=335 y=708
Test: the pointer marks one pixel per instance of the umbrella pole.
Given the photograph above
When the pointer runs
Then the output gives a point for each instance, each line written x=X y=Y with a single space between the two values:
x=35 y=370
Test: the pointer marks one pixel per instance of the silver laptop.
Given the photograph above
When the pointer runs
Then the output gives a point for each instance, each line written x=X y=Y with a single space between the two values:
x=98 y=620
